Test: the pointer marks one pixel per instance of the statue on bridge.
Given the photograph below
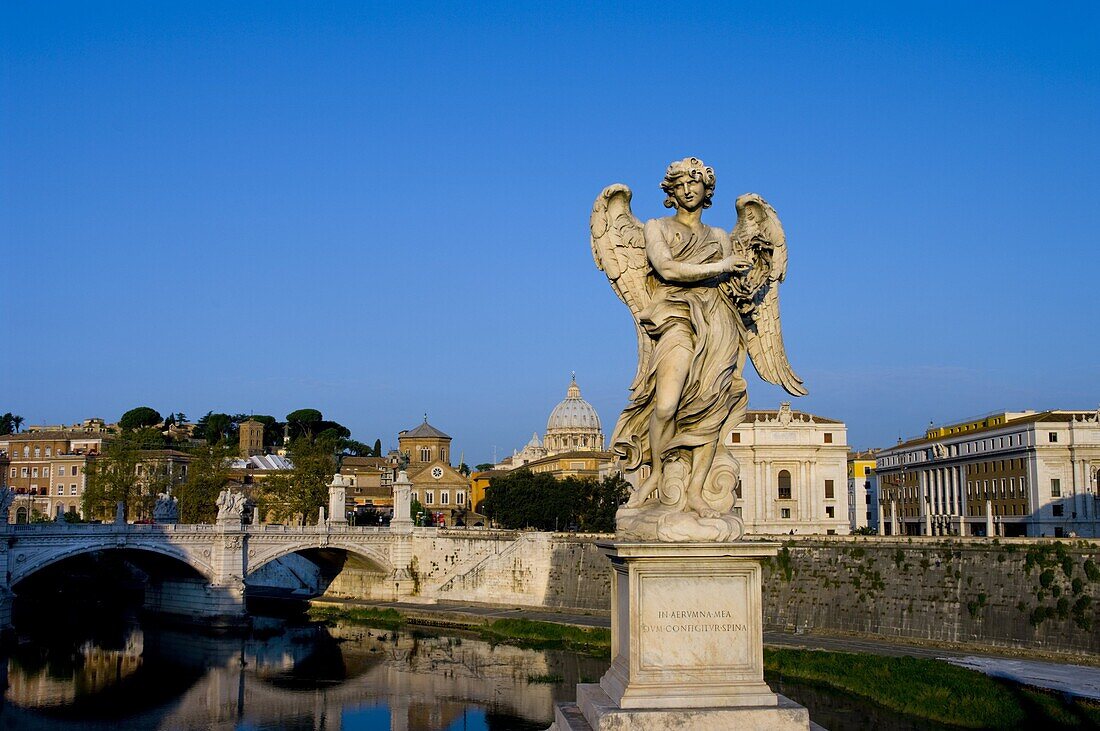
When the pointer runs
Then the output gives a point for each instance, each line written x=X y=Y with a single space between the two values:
x=701 y=300
x=230 y=506
x=166 y=509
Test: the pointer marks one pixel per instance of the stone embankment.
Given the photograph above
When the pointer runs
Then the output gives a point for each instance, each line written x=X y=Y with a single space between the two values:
x=1014 y=593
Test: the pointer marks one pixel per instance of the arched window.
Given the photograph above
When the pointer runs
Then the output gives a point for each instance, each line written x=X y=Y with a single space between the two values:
x=784 y=485
x=49 y=452
x=443 y=454
x=37 y=452
x=425 y=454
x=21 y=515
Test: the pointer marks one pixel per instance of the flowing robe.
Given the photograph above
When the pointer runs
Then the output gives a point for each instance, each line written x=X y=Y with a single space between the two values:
x=699 y=317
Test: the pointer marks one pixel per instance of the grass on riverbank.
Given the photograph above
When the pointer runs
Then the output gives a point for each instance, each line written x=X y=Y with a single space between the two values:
x=385 y=618
x=931 y=689
x=588 y=640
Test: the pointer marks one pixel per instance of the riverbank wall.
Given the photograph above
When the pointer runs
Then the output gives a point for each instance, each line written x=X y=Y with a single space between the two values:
x=1016 y=593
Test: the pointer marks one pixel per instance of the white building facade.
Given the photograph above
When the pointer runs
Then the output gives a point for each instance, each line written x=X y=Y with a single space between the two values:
x=793 y=472
x=1006 y=474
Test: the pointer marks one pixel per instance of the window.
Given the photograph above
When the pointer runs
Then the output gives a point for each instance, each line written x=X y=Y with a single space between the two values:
x=1052 y=437
x=34 y=472
x=429 y=498
x=460 y=498
x=49 y=451
x=444 y=498
x=735 y=438
x=828 y=437
x=61 y=471
x=1057 y=511
x=443 y=454
x=785 y=486
x=829 y=491
x=72 y=489
x=37 y=452
x=1056 y=488
x=425 y=454
x=785 y=513
x=24 y=472
x=13 y=472
x=830 y=512
x=26 y=452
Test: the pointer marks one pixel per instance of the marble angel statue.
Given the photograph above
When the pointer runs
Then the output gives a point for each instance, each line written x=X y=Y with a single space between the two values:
x=702 y=301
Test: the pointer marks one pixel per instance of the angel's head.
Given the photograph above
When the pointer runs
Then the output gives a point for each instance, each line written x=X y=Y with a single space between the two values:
x=681 y=174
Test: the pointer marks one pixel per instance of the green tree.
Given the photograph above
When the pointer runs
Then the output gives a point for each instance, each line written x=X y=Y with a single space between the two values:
x=207 y=475
x=297 y=495
x=303 y=423
x=9 y=424
x=415 y=509
x=377 y=447
x=217 y=428
x=523 y=499
x=597 y=501
x=483 y=466
x=17 y=423
x=142 y=416
x=464 y=469
x=112 y=477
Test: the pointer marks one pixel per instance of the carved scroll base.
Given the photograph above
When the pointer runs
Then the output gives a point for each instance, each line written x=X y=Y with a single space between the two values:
x=686 y=644
x=656 y=522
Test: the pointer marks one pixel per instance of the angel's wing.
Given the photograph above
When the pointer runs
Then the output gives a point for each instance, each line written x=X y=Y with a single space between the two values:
x=618 y=246
x=759 y=236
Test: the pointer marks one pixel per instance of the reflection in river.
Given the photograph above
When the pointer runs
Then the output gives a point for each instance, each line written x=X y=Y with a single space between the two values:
x=107 y=671
x=342 y=677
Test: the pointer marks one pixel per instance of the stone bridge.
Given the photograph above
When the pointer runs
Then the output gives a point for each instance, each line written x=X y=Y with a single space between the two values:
x=214 y=564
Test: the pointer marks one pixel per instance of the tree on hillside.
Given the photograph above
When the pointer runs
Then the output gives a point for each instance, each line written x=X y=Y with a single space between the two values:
x=142 y=416
x=296 y=495
x=464 y=469
x=217 y=428
x=356 y=449
x=207 y=475
x=483 y=466
x=303 y=423
x=9 y=423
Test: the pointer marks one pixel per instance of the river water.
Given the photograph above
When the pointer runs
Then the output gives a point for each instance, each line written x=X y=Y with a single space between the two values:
x=114 y=673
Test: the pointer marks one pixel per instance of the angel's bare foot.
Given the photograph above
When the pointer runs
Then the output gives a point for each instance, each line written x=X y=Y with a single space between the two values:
x=696 y=503
x=644 y=491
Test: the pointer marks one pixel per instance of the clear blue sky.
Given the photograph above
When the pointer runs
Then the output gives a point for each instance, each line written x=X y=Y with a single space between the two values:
x=380 y=210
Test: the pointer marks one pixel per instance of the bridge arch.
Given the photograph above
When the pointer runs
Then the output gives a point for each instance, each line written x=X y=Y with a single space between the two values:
x=257 y=558
x=28 y=562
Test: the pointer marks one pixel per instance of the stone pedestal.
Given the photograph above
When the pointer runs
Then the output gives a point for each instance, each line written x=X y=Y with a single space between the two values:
x=686 y=644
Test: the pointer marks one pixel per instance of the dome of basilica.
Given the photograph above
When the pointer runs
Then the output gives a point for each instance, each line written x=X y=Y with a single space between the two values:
x=573 y=413
x=573 y=424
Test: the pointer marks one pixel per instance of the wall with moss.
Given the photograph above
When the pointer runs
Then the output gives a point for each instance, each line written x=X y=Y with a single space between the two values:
x=1017 y=593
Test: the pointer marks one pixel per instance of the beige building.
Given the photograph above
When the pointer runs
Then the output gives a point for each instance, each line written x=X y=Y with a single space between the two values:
x=439 y=487
x=371 y=481
x=1021 y=473
x=44 y=464
x=793 y=470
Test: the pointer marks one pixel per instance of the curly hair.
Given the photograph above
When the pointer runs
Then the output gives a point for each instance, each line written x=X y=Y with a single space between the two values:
x=696 y=170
